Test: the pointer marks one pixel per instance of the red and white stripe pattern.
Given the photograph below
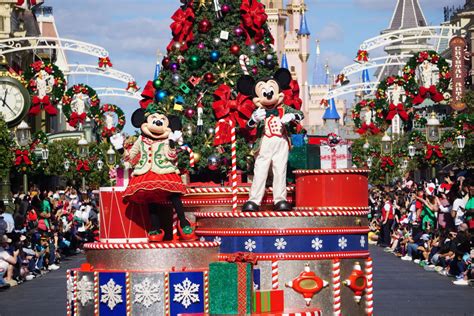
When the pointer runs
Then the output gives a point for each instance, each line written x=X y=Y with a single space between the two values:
x=166 y=289
x=96 y=293
x=307 y=256
x=76 y=302
x=336 y=285
x=369 y=290
x=191 y=155
x=305 y=313
x=275 y=276
x=234 y=160
x=206 y=291
x=175 y=227
x=330 y=171
x=244 y=60
x=218 y=202
x=277 y=214
x=200 y=190
x=69 y=283
x=282 y=232
x=128 y=293
x=163 y=245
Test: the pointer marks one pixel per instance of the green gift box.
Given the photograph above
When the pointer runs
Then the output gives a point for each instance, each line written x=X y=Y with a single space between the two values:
x=230 y=288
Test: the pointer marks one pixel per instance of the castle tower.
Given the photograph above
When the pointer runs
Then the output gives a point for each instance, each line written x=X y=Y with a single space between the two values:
x=277 y=17
x=331 y=117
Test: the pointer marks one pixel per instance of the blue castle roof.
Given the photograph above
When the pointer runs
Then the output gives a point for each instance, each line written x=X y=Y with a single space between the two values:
x=284 y=62
x=331 y=111
x=304 y=29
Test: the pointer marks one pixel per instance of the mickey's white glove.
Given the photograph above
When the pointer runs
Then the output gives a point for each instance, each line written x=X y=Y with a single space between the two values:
x=117 y=141
x=258 y=115
x=288 y=118
x=176 y=136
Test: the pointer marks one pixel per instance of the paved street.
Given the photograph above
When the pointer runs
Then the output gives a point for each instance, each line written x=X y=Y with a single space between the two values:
x=401 y=288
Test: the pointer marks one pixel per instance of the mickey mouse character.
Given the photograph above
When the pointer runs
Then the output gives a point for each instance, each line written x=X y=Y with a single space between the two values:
x=272 y=148
x=155 y=176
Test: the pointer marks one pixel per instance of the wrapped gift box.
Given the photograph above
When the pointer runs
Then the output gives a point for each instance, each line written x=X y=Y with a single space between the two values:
x=337 y=156
x=230 y=288
x=268 y=301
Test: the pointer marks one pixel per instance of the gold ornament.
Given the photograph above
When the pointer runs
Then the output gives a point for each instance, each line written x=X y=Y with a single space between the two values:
x=197 y=157
x=227 y=74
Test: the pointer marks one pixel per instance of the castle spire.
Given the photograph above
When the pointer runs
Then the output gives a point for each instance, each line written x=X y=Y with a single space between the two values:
x=407 y=14
x=319 y=72
x=331 y=111
x=304 y=30
x=284 y=61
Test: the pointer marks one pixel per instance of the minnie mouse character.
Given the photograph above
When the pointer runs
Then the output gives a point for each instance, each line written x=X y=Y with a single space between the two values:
x=271 y=120
x=155 y=176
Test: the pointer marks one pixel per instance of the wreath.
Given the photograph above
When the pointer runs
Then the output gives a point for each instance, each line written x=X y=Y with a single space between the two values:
x=416 y=137
x=112 y=108
x=74 y=118
x=433 y=154
x=375 y=126
x=435 y=92
x=57 y=83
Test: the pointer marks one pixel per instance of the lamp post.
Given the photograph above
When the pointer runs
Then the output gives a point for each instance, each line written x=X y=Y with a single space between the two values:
x=411 y=151
x=88 y=129
x=386 y=149
x=461 y=142
x=83 y=148
x=100 y=164
x=432 y=134
x=67 y=164
x=111 y=159
x=23 y=137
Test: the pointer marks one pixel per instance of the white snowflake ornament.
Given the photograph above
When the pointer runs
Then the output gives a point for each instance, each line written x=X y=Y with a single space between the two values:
x=250 y=245
x=111 y=294
x=85 y=289
x=362 y=241
x=146 y=293
x=280 y=243
x=316 y=244
x=69 y=289
x=218 y=239
x=186 y=293
x=342 y=242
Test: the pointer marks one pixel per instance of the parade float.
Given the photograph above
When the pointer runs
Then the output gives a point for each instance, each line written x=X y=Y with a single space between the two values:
x=216 y=240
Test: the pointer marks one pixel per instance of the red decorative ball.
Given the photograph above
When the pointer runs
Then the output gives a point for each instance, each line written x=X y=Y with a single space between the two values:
x=209 y=78
x=225 y=8
x=165 y=62
x=254 y=70
x=189 y=113
x=204 y=26
x=235 y=49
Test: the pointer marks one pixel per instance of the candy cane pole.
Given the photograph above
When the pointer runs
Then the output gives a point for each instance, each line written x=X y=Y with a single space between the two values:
x=244 y=61
x=336 y=284
x=175 y=227
x=369 y=290
x=275 y=275
x=234 y=161
x=191 y=155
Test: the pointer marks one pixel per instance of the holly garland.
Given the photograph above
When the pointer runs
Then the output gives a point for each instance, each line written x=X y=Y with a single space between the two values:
x=377 y=121
x=74 y=118
x=416 y=137
x=25 y=157
x=54 y=90
x=109 y=131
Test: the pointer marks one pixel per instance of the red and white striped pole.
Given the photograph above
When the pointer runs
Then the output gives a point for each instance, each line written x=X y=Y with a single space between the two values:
x=191 y=155
x=175 y=227
x=275 y=283
x=336 y=285
x=369 y=290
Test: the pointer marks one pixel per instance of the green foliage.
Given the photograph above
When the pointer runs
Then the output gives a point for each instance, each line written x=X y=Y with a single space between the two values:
x=6 y=148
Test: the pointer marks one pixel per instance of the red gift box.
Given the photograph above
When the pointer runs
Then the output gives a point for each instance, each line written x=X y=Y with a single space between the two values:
x=268 y=301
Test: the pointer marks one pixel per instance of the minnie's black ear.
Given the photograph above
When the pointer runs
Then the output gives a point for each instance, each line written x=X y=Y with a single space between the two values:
x=283 y=77
x=246 y=85
x=138 y=118
x=175 y=123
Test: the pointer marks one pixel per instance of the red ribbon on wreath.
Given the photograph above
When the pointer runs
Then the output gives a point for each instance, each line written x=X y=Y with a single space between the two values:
x=82 y=164
x=148 y=94
x=396 y=109
x=431 y=92
x=107 y=132
x=105 y=62
x=368 y=128
x=182 y=28
x=76 y=118
x=253 y=18
x=37 y=65
x=22 y=156
x=386 y=161
x=44 y=103
x=433 y=149
x=80 y=89
x=292 y=95
x=362 y=56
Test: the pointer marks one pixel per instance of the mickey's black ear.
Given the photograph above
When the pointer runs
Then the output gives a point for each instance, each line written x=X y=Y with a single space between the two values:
x=138 y=118
x=175 y=123
x=283 y=77
x=246 y=85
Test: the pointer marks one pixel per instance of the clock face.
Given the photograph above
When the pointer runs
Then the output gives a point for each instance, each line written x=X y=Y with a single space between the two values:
x=14 y=100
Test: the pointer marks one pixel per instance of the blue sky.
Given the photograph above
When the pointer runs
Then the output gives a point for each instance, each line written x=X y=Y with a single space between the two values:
x=133 y=31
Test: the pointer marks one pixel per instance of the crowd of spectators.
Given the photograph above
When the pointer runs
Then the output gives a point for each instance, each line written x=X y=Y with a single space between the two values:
x=428 y=223
x=41 y=229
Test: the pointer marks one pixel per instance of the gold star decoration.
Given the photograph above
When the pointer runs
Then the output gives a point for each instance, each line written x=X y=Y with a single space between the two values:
x=226 y=74
x=203 y=4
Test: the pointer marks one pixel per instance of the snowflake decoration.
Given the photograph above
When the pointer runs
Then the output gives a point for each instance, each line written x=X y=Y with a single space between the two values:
x=217 y=239
x=111 y=294
x=255 y=286
x=342 y=242
x=146 y=293
x=362 y=241
x=69 y=287
x=250 y=245
x=84 y=290
x=186 y=293
x=202 y=238
x=317 y=244
x=280 y=243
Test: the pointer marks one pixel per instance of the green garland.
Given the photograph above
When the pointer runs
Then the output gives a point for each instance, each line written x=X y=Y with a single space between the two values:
x=59 y=84
x=94 y=103
x=371 y=104
x=106 y=132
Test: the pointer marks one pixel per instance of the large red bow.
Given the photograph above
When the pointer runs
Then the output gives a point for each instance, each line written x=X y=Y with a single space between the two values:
x=107 y=132
x=182 y=28
x=82 y=165
x=430 y=92
x=253 y=18
x=22 y=156
x=104 y=62
x=242 y=257
x=76 y=118
x=397 y=109
x=42 y=103
x=292 y=95
x=362 y=55
x=430 y=149
x=368 y=128
x=386 y=161
x=37 y=65
x=148 y=94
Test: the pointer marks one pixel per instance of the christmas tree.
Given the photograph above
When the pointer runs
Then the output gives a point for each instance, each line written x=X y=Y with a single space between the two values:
x=213 y=44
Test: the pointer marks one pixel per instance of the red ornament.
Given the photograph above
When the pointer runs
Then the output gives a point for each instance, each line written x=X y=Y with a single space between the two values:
x=165 y=62
x=235 y=49
x=189 y=113
x=204 y=26
x=209 y=78
x=225 y=8
x=307 y=284
x=254 y=70
x=357 y=282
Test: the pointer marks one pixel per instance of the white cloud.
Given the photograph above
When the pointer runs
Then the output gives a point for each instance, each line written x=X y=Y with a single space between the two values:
x=336 y=60
x=331 y=32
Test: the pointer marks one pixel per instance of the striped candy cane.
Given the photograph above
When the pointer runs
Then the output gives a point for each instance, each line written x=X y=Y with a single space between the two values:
x=96 y=293
x=234 y=160
x=244 y=61
x=128 y=294
x=369 y=290
x=336 y=284
x=275 y=284
x=175 y=227
x=191 y=155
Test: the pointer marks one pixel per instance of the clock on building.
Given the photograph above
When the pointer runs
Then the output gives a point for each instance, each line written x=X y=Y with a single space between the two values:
x=14 y=99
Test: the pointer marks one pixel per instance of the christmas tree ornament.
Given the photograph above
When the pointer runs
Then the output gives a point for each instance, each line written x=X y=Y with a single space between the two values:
x=175 y=79
x=255 y=70
x=209 y=78
x=253 y=48
x=212 y=162
x=181 y=59
x=234 y=49
x=161 y=94
x=157 y=83
x=184 y=87
x=224 y=35
x=204 y=26
x=178 y=103
x=194 y=81
x=201 y=45
x=165 y=62
x=238 y=31
x=189 y=113
x=225 y=8
x=215 y=55
x=177 y=46
x=269 y=57
x=211 y=131
x=174 y=67
x=216 y=41
x=194 y=62
x=227 y=74
x=270 y=64
x=268 y=40
x=197 y=157
x=217 y=9
x=188 y=130
x=244 y=61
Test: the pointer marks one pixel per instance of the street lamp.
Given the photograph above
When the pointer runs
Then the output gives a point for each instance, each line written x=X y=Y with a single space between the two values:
x=100 y=164
x=432 y=128
x=83 y=151
x=88 y=129
x=461 y=142
x=67 y=164
x=411 y=151
x=386 y=144
x=404 y=164
x=23 y=137
x=110 y=157
x=44 y=153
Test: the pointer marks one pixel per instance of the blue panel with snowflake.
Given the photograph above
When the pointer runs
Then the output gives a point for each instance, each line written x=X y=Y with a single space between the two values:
x=112 y=294
x=256 y=279
x=186 y=292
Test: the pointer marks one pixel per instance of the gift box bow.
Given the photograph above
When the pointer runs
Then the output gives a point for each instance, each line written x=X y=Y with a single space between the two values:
x=243 y=257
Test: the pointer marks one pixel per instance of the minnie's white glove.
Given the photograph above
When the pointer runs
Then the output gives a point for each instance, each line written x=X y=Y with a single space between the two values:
x=176 y=136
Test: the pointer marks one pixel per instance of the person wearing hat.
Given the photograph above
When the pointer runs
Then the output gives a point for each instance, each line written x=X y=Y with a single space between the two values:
x=6 y=263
